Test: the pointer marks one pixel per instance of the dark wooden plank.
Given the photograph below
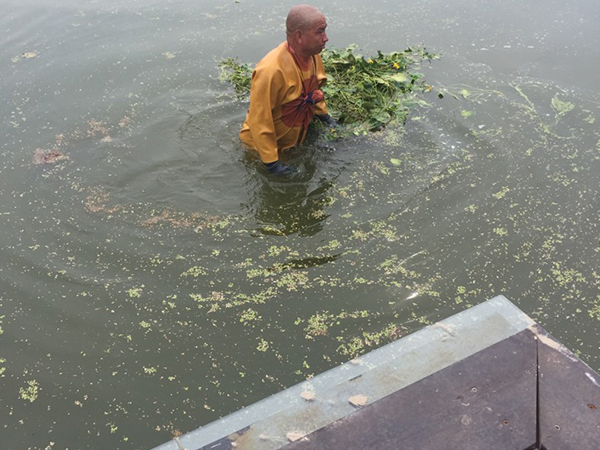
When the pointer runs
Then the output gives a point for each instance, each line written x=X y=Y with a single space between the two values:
x=485 y=401
x=569 y=399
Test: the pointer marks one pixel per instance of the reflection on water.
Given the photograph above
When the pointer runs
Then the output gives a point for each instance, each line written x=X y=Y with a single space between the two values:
x=156 y=277
x=292 y=204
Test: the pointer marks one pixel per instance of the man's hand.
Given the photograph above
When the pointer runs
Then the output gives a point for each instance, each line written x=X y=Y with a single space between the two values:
x=327 y=119
x=276 y=168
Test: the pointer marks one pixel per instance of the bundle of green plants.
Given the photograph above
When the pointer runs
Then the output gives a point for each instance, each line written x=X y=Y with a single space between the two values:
x=238 y=74
x=365 y=94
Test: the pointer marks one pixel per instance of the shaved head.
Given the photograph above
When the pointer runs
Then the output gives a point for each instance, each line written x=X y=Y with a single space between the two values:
x=306 y=34
x=302 y=18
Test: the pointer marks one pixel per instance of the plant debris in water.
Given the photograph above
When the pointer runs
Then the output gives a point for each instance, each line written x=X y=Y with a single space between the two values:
x=365 y=94
x=48 y=157
x=238 y=74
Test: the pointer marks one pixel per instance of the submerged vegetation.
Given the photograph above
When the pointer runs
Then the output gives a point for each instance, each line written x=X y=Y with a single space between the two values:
x=365 y=94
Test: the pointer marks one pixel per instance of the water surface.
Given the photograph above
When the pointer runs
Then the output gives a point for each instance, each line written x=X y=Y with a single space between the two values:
x=156 y=278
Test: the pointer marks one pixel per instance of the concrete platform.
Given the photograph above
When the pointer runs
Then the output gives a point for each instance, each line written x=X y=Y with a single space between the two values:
x=488 y=377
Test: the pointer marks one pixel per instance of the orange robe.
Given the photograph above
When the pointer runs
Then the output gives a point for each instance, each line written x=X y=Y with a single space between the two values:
x=283 y=100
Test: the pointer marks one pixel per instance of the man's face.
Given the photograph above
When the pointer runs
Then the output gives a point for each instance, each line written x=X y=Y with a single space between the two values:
x=315 y=38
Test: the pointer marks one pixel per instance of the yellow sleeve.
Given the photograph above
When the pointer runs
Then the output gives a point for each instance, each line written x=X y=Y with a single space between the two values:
x=321 y=107
x=266 y=92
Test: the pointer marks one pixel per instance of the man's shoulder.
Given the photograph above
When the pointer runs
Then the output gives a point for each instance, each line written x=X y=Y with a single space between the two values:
x=275 y=61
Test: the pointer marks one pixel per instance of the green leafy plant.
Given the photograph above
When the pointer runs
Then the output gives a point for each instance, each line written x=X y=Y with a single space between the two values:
x=238 y=74
x=368 y=93
x=365 y=94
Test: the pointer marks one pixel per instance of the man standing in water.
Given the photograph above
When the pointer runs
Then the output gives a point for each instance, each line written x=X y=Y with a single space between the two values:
x=285 y=94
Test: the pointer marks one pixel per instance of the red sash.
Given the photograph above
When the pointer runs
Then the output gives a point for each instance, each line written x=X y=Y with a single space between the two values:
x=300 y=112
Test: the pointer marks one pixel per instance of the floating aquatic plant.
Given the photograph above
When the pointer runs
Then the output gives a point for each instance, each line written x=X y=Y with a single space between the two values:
x=365 y=94
x=31 y=392
x=238 y=74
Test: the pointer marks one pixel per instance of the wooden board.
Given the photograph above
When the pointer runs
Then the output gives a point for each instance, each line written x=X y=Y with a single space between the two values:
x=569 y=399
x=487 y=400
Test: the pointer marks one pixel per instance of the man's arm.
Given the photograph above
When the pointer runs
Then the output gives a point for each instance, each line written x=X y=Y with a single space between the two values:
x=264 y=95
x=321 y=107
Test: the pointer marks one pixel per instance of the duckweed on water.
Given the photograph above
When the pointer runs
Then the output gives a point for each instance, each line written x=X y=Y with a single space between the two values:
x=319 y=323
x=30 y=392
x=135 y=292
x=357 y=345
x=261 y=282
x=365 y=94
x=562 y=108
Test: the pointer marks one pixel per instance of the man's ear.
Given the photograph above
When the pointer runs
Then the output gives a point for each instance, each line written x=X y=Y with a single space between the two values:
x=298 y=36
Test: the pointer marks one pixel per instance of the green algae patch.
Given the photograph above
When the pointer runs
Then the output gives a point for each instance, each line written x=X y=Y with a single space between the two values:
x=319 y=323
x=30 y=392
x=195 y=272
x=262 y=346
x=249 y=315
x=561 y=108
x=595 y=312
x=358 y=345
x=135 y=292
x=364 y=93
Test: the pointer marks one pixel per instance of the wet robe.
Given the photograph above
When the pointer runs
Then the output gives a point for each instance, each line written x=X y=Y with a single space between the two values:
x=283 y=100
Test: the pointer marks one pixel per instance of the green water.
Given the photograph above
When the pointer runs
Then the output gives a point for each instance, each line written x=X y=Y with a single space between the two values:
x=155 y=278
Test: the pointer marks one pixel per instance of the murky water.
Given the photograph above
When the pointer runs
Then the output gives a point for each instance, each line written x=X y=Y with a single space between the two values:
x=155 y=278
